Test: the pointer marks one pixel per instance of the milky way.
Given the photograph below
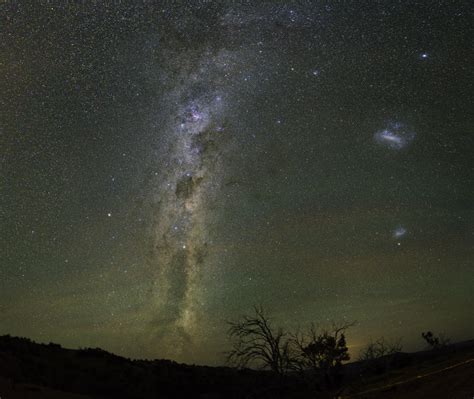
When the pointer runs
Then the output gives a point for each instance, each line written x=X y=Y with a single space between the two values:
x=191 y=173
x=166 y=166
x=191 y=163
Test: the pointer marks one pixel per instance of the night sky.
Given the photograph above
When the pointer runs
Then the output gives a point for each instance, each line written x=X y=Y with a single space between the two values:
x=165 y=166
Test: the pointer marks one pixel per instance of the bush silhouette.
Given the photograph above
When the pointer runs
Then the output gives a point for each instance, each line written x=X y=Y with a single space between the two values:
x=435 y=342
x=322 y=352
x=377 y=356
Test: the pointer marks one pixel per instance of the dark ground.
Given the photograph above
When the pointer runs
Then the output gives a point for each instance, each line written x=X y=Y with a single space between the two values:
x=31 y=370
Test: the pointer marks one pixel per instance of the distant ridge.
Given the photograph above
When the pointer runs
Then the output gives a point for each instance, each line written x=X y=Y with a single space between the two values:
x=94 y=372
x=32 y=370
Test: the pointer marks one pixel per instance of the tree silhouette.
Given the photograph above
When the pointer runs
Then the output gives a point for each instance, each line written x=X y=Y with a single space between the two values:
x=376 y=356
x=433 y=341
x=323 y=352
x=257 y=343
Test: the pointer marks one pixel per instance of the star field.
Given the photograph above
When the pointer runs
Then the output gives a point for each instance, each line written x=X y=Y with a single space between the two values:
x=166 y=166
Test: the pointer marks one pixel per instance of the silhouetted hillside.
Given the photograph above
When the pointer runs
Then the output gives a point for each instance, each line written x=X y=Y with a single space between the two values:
x=435 y=374
x=97 y=373
x=31 y=370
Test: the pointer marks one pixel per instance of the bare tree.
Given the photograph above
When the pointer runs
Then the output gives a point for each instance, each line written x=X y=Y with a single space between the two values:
x=376 y=356
x=257 y=343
